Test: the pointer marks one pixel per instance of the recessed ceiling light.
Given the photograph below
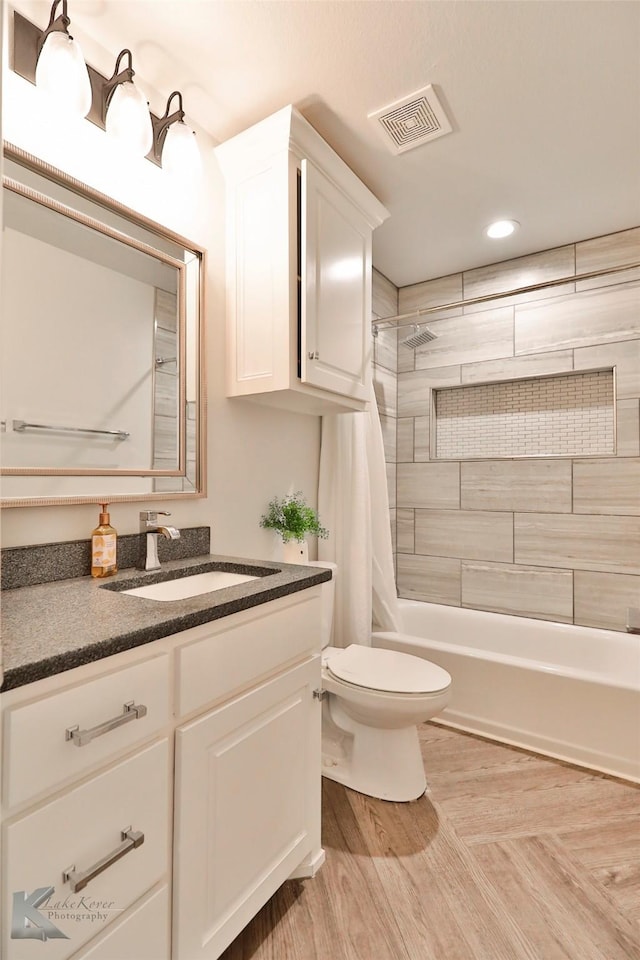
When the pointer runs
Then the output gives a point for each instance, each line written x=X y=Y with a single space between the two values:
x=501 y=228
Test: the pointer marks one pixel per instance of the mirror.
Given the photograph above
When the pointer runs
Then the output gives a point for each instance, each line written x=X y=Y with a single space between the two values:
x=101 y=378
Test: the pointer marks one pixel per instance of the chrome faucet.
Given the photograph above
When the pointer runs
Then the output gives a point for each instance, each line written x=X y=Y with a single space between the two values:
x=150 y=526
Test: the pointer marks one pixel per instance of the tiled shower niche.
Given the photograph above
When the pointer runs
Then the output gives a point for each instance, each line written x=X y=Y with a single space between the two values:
x=571 y=415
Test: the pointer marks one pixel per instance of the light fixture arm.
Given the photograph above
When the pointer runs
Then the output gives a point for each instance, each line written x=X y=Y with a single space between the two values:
x=161 y=125
x=117 y=77
x=58 y=24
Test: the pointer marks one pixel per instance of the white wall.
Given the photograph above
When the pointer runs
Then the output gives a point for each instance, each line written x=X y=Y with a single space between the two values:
x=253 y=453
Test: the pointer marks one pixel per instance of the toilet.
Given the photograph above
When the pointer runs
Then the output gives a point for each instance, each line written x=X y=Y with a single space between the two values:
x=373 y=701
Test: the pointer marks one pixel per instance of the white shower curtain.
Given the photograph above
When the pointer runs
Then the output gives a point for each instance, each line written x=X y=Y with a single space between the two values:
x=353 y=503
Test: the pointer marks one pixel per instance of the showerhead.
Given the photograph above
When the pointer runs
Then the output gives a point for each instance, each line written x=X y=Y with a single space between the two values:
x=418 y=336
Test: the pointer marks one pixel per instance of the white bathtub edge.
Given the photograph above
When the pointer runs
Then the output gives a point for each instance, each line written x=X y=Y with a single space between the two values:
x=585 y=718
x=567 y=752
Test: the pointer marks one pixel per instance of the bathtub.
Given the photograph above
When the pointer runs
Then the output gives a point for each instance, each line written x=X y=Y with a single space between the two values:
x=561 y=690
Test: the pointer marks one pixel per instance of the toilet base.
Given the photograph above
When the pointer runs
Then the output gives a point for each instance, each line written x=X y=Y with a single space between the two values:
x=381 y=763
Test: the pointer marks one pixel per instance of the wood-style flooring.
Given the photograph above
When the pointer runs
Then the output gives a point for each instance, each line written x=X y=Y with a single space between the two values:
x=509 y=856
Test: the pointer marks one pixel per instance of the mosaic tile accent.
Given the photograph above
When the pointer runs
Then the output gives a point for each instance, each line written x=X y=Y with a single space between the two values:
x=564 y=416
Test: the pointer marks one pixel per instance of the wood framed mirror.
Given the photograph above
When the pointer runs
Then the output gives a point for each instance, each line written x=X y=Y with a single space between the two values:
x=101 y=362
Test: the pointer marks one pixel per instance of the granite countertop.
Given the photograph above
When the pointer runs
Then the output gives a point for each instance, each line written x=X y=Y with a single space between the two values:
x=53 y=627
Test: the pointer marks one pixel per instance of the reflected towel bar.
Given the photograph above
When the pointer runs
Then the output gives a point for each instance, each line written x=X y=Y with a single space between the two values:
x=21 y=425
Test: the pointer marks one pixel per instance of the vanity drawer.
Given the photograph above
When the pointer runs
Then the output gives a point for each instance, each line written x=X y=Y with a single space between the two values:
x=38 y=755
x=76 y=831
x=247 y=647
x=142 y=935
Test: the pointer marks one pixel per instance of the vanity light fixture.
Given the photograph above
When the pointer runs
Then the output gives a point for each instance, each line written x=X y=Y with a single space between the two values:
x=60 y=70
x=113 y=103
x=124 y=109
x=174 y=143
x=501 y=228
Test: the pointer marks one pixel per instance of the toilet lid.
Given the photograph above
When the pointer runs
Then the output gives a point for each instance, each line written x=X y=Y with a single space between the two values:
x=387 y=670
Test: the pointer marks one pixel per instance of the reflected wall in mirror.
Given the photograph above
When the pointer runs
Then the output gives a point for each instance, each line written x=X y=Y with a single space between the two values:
x=101 y=366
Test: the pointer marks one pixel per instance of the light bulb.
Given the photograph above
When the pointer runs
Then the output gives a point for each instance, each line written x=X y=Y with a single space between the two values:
x=128 y=119
x=180 y=154
x=62 y=74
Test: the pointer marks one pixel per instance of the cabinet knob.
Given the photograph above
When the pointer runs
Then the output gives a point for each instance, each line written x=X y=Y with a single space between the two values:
x=313 y=355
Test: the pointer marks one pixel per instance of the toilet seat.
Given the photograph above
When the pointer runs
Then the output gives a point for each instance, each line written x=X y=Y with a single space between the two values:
x=387 y=671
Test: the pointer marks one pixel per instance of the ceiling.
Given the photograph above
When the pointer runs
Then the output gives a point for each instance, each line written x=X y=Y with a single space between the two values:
x=543 y=98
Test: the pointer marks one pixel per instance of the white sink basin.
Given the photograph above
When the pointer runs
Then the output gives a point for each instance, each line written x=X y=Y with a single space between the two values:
x=192 y=586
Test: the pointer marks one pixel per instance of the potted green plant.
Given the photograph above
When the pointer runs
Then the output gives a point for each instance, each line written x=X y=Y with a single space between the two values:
x=293 y=520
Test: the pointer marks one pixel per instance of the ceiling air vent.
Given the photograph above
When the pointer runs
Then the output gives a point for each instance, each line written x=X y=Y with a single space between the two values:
x=412 y=121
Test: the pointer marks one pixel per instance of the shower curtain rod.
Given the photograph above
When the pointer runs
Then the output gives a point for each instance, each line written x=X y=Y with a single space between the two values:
x=423 y=311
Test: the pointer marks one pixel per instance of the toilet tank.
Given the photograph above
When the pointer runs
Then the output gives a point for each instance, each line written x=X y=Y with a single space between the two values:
x=328 y=593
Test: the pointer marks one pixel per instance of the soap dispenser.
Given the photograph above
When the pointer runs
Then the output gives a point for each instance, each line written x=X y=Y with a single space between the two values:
x=103 y=547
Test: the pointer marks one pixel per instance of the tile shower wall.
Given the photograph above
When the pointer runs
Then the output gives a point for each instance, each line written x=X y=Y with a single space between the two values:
x=165 y=400
x=556 y=538
x=385 y=380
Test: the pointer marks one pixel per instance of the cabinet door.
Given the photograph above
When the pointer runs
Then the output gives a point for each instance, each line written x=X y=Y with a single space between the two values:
x=335 y=330
x=247 y=784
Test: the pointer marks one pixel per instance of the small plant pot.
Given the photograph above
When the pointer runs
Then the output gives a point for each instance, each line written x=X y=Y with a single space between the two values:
x=295 y=552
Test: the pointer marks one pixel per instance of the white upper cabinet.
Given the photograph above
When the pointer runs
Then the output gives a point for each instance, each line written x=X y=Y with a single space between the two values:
x=336 y=280
x=299 y=228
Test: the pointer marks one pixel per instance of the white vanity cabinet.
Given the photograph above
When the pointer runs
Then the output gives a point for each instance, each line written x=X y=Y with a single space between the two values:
x=183 y=821
x=247 y=794
x=246 y=782
x=299 y=232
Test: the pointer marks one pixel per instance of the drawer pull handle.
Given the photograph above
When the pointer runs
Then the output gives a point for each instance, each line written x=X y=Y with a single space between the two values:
x=130 y=711
x=80 y=878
